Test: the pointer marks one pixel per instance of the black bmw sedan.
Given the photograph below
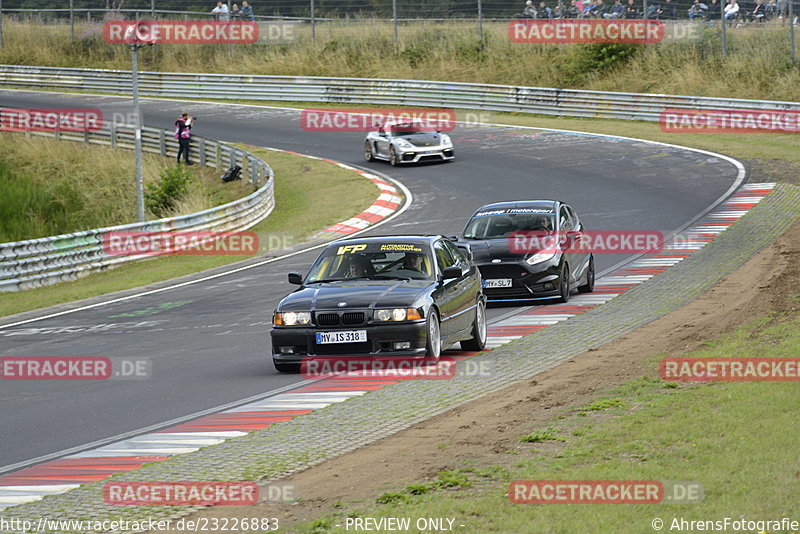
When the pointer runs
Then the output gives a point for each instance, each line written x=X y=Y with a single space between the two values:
x=523 y=251
x=395 y=296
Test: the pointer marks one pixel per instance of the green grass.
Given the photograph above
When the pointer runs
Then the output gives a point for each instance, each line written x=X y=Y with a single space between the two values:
x=50 y=187
x=310 y=195
x=551 y=434
x=737 y=439
x=757 y=64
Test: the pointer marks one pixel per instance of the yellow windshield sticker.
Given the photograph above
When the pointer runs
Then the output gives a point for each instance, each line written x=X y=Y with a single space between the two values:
x=350 y=248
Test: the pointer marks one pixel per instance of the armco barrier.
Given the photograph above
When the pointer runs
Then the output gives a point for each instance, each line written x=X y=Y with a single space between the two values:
x=561 y=102
x=48 y=260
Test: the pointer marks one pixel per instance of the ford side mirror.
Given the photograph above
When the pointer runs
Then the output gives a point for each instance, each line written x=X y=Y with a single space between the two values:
x=295 y=278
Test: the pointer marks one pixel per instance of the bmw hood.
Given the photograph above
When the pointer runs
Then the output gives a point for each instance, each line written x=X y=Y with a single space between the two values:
x=358 y=294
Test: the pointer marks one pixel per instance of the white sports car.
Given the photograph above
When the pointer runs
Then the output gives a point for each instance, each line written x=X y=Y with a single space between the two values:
x=407 y=142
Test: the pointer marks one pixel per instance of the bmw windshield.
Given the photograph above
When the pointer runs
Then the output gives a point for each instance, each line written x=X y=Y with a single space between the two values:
x=373 y=261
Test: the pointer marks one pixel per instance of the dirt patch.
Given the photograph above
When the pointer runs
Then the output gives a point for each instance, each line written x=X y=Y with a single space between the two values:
x=485 y=431
x=773 y=170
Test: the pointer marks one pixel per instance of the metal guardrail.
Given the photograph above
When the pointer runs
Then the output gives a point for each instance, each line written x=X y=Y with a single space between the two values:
x=520 y=99
x=49 y=260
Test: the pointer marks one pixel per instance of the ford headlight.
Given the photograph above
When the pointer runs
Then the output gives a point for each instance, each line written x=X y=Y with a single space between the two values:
x=539 y=257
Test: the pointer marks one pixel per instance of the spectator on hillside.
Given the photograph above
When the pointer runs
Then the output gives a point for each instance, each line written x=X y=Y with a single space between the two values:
x=235 y=13
x=617 y=11
x=669 y=11
x=221 y=12
x=631 y=11
x=247 y=11
x=698 y=10
x=544 y=12
x=598 y=10
x=759 y=11
x=653 y=11
x=529 y=12
x=714 y=12
x=731 y=11
x=783 y=9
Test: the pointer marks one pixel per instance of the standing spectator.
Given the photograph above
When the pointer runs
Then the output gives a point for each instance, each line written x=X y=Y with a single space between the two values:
x=731 y=11
x=235 y=13
x=247 y=11
x=221 y=12
x=631 y=11
x=669 y=11
x=783 y=9
x=617 y=11
x=713 y=14
x=544 y=11
x=183 y=134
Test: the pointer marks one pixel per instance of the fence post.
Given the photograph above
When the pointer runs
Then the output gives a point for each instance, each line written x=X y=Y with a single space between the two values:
x=1 y=23
x=113 y=134
x=162 y=143
x=480 y=22
x=202 y=148
x=791 y=31
x=724 y=30
x=71 y=21
x=313 y=22
x=394 y=21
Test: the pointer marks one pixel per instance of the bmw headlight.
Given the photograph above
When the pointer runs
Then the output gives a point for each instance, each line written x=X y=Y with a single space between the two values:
x=397 y=314
x=446 y=141
x=291 y=318
x=539 y=257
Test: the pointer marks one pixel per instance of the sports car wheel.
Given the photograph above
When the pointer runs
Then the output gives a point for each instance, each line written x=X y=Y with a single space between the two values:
x=478 y=341
x=368 y=154
x=433 y=346
x=393 y=159
x=563 y=284
x=282 y=367
x=588 y=287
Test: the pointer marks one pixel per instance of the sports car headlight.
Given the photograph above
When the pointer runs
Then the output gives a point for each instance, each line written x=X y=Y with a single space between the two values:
x=397 y=314
x=402 y=143
x=539 y=257
x=446 y=140
x=291 y=318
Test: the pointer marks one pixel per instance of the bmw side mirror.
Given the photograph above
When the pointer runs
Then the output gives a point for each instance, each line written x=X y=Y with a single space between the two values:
x=295 y=278
x=451 y=272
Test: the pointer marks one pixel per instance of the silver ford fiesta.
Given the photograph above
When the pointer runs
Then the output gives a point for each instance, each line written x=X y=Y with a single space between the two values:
x=407 y=142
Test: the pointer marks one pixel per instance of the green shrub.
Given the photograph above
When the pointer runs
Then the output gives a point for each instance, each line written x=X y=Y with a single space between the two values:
x=161 y=197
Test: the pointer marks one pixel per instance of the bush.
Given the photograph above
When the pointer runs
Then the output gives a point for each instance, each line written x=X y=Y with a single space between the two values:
x=160 y=198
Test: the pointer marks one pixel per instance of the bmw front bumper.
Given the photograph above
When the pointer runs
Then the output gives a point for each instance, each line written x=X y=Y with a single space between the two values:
x=294 y=344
